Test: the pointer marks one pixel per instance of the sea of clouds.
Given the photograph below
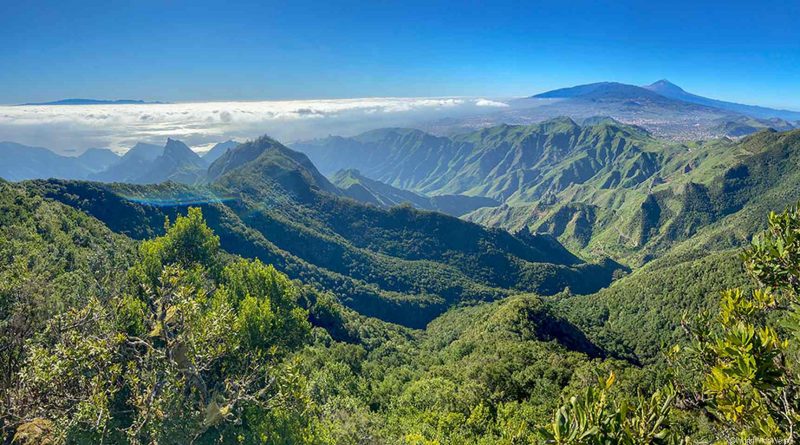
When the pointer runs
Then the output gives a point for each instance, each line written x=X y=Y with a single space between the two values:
x=73 y=128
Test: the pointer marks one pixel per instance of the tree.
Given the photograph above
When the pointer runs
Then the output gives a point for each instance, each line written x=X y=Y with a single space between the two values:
x=748 y=353
x=192 y=351
x=595 y=418
x=745 y=356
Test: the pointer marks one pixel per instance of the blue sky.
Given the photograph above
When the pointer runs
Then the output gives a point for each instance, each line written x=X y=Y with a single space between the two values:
x=174 y=50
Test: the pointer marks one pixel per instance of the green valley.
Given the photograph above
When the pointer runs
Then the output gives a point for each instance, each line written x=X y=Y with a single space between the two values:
x=265 y=303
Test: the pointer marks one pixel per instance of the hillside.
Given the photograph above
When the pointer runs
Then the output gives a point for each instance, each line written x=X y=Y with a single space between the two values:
x=357 y=186
x=97 y=159
x=269 y=202
x=737 y=127
x=218 y=150
x=95 y=277
x=506 y=163
x=19 y=162
x=152 y=164
x=176 y=163
x=711 y=192
x=513 y=324
x=609 y=91
x=603 y=188
x=507 y=361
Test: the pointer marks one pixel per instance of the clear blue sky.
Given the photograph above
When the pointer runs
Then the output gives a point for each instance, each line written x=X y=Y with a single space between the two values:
x=175 y=50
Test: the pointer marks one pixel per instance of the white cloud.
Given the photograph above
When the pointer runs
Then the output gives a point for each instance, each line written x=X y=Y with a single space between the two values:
x=490 y=103
x=198 y=124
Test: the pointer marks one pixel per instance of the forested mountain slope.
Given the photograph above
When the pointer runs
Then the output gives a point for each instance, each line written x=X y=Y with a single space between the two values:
x=508 y=163
x=715 y=190
x=491 y=372
x=402 y=265
x=357 y=186
x=604 y=189
x=80 y=299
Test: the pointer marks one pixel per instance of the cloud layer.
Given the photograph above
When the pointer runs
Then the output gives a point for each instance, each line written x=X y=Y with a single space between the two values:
x=76 y=127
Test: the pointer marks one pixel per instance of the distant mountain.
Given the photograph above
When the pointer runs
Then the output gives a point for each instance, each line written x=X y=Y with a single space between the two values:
x=98 y=159
x=669 y=89
x=713 y=194
x=19 y=162
x=93 y=102
x=150 y=164
x=389 y=155
x=142 y=164
x=663 y=109
x=629 y=104
x=218 y=150
x=133 y=164
x=745 y=125
x=143 y=151
x=255 y=161
x=398 y=264
x=602 y=188
x=177 y=163
x=506 y=163
x=361 y=188
x=603 y=90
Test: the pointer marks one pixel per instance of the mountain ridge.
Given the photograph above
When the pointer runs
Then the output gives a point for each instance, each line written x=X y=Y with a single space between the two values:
x=278 y=208
x=673 y=118
x=361 y=188
x=495 y=162
x=669 y=89
x=93 y=102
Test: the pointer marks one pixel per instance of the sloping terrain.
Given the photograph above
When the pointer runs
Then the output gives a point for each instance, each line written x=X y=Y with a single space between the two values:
x=662 y=108
x=402 y=265
x=19 y=162
x=357 y=186
x=669 y=89
x=151 y=164
x=493 y=358
x=58 y=262
x=604 y=188
x=717 y=191
x=507 y=163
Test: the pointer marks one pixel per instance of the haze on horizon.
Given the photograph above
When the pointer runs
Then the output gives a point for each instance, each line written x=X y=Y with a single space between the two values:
x=74 y=128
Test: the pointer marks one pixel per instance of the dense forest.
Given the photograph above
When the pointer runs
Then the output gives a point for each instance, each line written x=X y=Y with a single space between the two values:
x=625 y=291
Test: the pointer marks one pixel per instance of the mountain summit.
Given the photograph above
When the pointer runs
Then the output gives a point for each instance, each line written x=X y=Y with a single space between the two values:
x=665 y=88
x=672 y=91
x=599 y=90
x=150 y=164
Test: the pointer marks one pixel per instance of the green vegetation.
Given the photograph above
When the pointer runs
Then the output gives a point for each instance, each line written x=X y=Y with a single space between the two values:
x=603 y=189
x=161 y=313
x=363 y=189
x=52 y=258
x=512 y=164
x=190 y=349
x=190 y=344
x=399 y=264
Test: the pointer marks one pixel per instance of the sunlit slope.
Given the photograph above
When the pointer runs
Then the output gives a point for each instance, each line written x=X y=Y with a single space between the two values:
x=403 y=265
